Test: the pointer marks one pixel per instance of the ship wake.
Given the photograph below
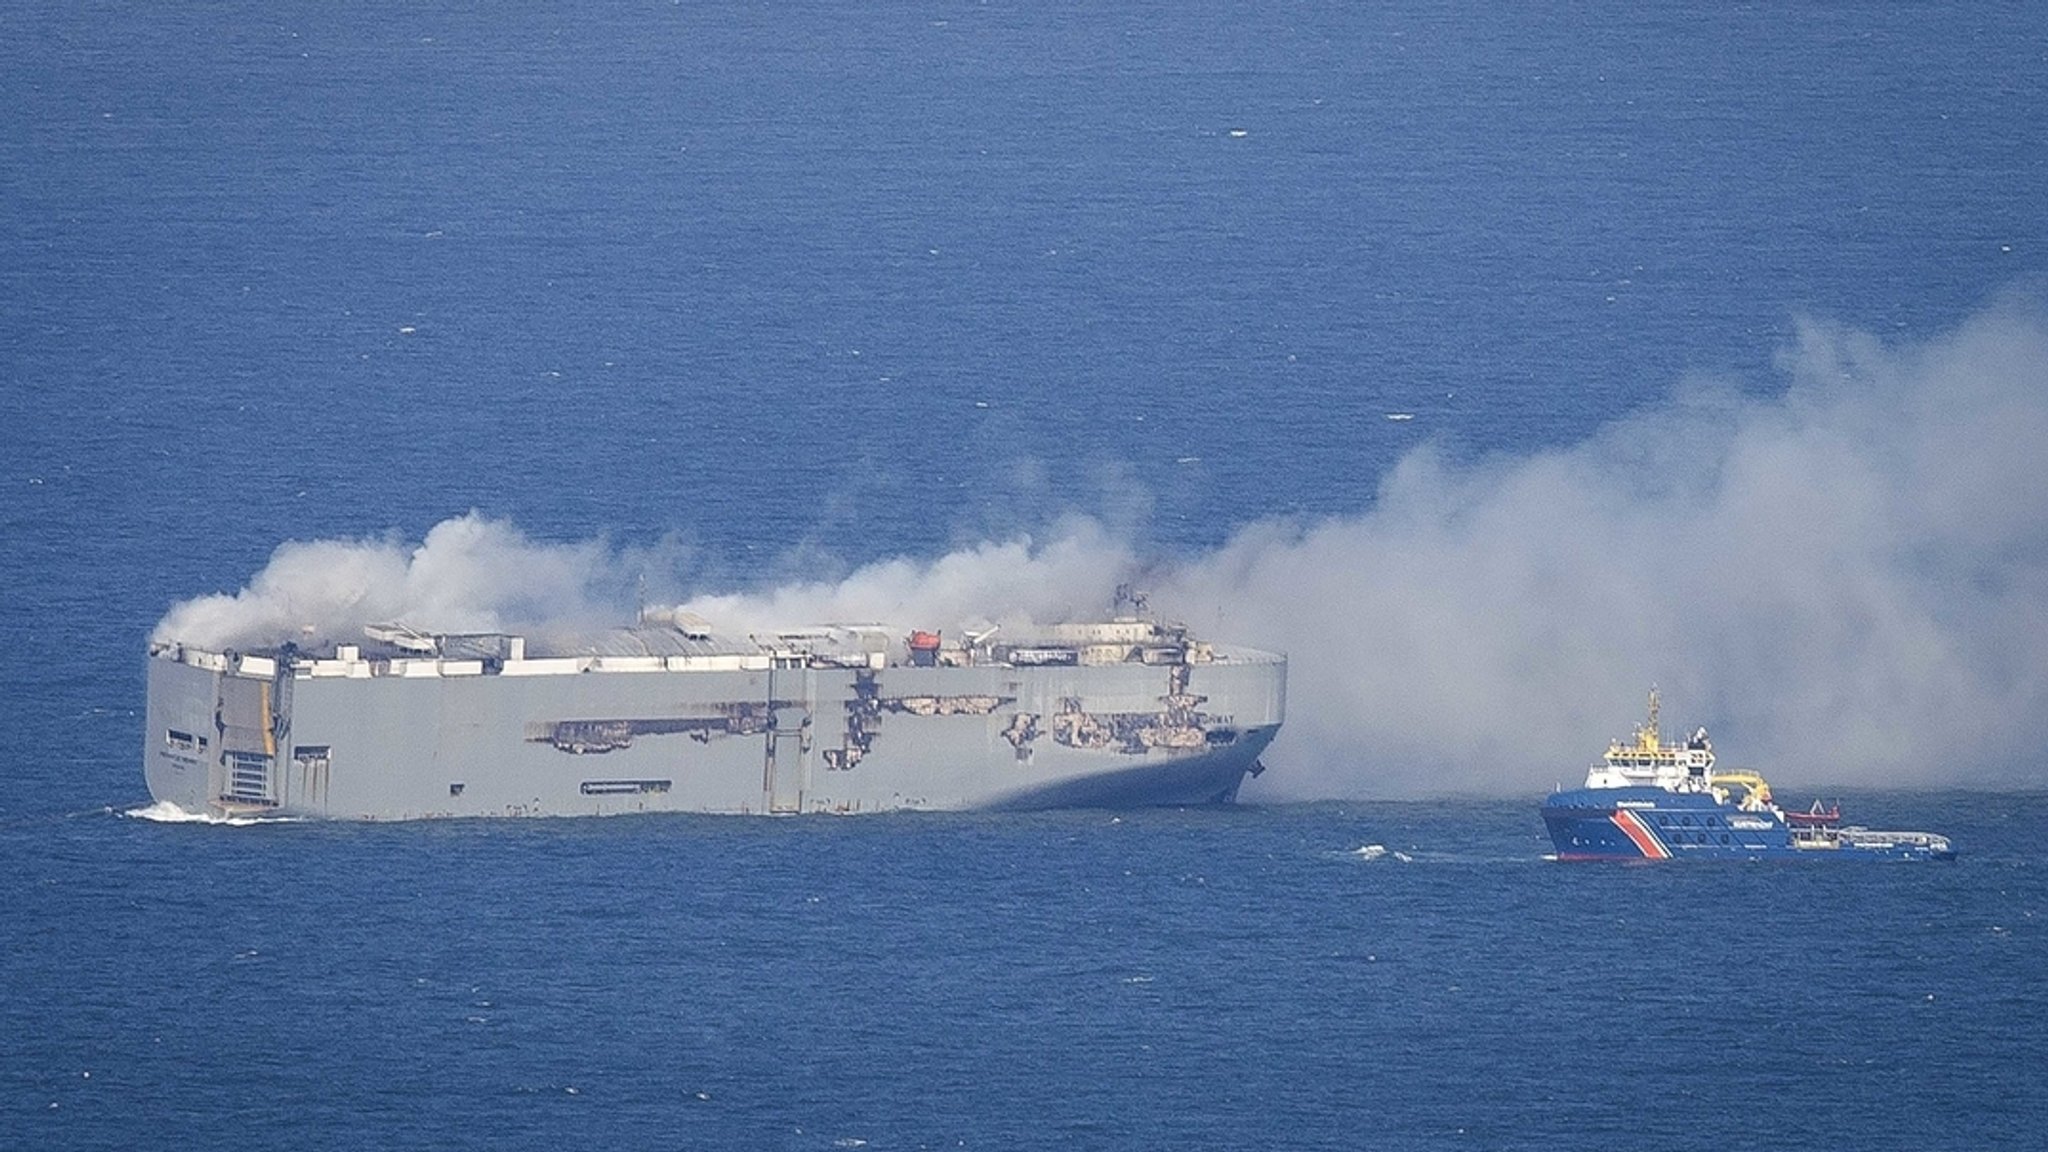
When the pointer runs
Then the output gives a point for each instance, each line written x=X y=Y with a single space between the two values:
x=165 y=812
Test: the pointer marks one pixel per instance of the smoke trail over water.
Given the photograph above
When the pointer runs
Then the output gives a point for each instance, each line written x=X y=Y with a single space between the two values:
x=1848 y=583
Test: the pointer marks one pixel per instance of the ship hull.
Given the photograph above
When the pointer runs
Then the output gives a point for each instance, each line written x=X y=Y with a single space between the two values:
x=1645 y=823
x=229 y=736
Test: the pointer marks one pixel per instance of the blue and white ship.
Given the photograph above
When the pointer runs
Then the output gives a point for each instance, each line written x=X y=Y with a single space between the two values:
x=1649 y=800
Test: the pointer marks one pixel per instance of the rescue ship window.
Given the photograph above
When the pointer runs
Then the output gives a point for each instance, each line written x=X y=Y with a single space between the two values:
x=182 y=741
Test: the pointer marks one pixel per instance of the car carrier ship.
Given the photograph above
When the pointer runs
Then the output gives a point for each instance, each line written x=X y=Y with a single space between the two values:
x=1651 y=800
x=668 y=715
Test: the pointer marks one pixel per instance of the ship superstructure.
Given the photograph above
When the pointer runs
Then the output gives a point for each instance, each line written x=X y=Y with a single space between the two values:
x=1647 y=799
x=672 y=715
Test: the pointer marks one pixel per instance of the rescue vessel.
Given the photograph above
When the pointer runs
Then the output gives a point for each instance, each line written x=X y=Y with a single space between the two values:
x=1647 y=799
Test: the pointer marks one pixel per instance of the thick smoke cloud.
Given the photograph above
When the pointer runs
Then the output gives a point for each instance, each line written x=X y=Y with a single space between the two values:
x=1847 y=583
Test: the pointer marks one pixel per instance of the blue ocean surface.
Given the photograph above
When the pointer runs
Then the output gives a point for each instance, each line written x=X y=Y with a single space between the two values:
x=783 y=290
x=1144 y=979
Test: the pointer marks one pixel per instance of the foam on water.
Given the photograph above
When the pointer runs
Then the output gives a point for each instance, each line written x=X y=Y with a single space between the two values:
x=165 y=812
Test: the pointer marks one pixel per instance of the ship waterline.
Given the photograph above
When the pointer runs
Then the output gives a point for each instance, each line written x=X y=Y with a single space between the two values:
x=666 y=717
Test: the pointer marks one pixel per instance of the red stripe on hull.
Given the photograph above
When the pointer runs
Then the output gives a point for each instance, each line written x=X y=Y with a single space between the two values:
x=1639 y=834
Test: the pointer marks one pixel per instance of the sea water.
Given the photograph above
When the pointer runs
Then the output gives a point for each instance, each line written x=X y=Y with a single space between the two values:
x=798 y=287
x=1161 y=978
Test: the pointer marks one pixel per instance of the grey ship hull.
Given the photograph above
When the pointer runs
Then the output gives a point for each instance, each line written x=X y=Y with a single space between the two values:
x=278 y=736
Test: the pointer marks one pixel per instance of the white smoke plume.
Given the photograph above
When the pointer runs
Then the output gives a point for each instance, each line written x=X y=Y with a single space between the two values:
x=469 y=574
x=1847 y=583
x=1069 y=576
